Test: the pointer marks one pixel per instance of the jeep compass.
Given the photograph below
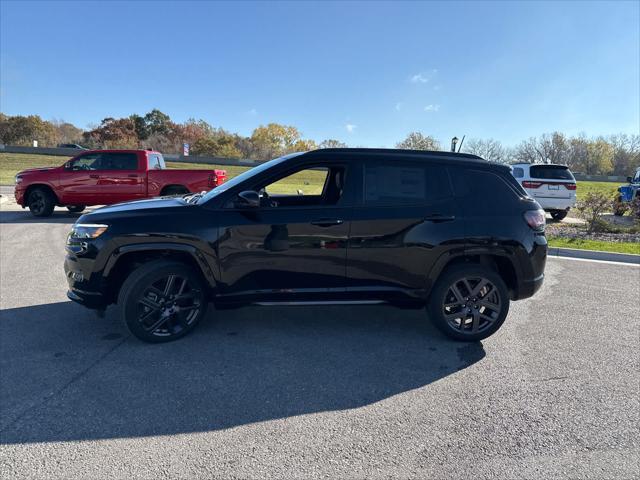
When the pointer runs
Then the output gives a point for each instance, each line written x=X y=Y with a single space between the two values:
x=451 y=233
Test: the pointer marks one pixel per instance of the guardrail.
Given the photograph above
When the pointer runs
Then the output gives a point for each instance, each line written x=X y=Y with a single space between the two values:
x=71 y=152
x=235 y=162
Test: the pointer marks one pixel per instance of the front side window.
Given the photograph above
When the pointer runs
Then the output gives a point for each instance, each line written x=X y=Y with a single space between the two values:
x=304 y=182
x=399 y=183
x=85 y=162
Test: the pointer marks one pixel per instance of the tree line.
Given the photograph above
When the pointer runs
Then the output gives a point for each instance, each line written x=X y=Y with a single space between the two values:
x=617 y=154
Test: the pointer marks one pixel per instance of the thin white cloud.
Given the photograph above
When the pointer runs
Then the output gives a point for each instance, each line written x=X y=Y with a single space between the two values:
x=423 y=77
x=350 y=127
x=398 y=106
x=432 y=108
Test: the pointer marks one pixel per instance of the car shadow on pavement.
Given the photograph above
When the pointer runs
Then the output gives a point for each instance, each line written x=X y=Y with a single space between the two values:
x=17 y=216
x=68 y=375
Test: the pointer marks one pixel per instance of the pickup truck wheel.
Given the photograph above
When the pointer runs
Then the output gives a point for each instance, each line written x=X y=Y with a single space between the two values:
x=41 y=202
x=76 y=208
x=162 y=301
x=558 y=214
x=469 y=303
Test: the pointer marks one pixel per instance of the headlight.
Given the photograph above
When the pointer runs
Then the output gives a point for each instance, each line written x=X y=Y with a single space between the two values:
x=18 y=179
x=88 y=230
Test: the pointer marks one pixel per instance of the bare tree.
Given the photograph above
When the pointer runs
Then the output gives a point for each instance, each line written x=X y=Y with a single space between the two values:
x=491 y=150
x=418 y=141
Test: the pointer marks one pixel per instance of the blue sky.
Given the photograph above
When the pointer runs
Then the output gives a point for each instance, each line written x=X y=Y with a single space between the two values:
x=363 y=72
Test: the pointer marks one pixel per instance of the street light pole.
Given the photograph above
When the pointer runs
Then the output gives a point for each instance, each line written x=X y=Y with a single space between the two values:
x=454 y=141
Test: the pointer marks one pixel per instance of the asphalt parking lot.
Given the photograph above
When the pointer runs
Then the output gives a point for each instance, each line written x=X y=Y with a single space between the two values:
x=316 y=392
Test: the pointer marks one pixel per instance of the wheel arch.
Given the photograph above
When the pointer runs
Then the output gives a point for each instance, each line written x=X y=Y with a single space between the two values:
x=44 y=186
x=165 y=188
x=504 y=264
x=126 y=259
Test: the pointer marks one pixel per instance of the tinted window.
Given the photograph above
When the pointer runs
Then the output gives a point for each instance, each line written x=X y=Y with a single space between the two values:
x=119 y=161
x=485 y=193
x=518 y=172
x=404 y=183
x=553 y=172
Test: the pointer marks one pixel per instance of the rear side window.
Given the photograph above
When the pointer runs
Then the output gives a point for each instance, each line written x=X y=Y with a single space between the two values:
x=551 y=172
x=518 y=172
x=156 y=162
x=484 y=192
x=119 y=161
x=404 y=183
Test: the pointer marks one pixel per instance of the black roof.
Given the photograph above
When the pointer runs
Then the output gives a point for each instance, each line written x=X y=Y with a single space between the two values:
x=402 y=152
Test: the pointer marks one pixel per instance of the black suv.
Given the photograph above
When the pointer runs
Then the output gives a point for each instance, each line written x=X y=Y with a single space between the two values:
x=449 y=231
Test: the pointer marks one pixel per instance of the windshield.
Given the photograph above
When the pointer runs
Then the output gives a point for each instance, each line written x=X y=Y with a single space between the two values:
x=245 y=176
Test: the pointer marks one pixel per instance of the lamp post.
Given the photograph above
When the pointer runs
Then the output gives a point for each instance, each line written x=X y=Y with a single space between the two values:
x=454 y=142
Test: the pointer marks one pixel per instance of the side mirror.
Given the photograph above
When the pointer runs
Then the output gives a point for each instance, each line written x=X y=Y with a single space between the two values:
x=629 y=179
x=248 y=199
x=67 y=166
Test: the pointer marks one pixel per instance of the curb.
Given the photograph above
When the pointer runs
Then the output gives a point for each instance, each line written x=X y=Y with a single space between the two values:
x=593 y=255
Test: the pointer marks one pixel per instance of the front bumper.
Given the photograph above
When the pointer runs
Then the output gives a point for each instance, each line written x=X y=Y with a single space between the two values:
x=82 y=289
x=19 y=194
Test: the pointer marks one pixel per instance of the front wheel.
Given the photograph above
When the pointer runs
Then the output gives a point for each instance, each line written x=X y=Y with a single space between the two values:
x=41 y=202
x=76 y=208
x=162 y=301
x=558 y=215
x=469 y=302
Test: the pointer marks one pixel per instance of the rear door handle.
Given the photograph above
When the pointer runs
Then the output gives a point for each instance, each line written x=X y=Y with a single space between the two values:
x=438 y=217
x=93 y=175
x=327 y=222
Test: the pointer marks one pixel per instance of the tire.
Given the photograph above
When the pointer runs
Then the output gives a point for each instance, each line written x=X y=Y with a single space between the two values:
x=492 y=307
x=41 y=202
x=146 y=304
x=170 y=191
x=76 y=208
x=558 y=214
x=619 y=207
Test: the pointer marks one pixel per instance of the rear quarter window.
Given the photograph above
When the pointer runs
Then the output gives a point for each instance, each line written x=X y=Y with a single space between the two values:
x=551 y=172
x=484 y=192
x=518 y=172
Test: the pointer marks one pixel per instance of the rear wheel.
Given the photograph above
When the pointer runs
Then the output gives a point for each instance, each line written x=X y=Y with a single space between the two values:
x=41 y=202
x=76 y=208
x=469 y=302
x=558 y=214
x=162 y=301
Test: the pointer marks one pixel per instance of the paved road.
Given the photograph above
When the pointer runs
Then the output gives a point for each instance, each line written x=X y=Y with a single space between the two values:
x=337 y=392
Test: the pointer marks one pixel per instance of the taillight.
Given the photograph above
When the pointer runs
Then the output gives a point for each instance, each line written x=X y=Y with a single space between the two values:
x=535 y=219
x=571 y=186
x=213 y=179
x=528 y=184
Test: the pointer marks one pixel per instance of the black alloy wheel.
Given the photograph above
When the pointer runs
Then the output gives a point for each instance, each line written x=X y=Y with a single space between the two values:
x=469 y=302
x=162 y=301
x=40 y=203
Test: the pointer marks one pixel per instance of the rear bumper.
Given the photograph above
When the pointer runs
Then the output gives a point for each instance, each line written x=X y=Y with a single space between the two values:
x=556 y=203
x=532 y=269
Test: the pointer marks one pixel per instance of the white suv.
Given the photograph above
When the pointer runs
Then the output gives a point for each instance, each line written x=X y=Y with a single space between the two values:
x=552 y=186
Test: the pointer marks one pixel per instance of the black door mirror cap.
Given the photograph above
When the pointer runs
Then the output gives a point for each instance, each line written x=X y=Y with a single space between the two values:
x=248 y=199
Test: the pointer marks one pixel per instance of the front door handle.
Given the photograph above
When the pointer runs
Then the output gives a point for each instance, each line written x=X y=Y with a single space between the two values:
x=327 y=222
x=93 y=175
x=438 y=217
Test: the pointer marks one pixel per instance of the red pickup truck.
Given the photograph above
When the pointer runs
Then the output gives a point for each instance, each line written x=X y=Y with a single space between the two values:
x=102 y=177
